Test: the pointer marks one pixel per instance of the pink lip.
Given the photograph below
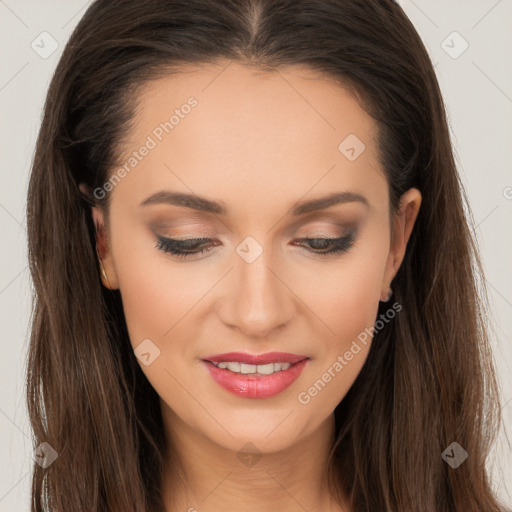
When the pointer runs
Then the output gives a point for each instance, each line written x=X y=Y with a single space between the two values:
x=252 y=385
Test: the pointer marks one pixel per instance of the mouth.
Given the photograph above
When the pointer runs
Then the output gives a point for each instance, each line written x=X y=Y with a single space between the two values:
x=255 y=376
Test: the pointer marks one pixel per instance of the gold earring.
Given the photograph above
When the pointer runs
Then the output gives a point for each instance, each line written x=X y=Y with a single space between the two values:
x=103 y=273
x=105 y=276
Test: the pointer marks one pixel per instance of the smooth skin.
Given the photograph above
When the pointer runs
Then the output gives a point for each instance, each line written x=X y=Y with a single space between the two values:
x=258 y=142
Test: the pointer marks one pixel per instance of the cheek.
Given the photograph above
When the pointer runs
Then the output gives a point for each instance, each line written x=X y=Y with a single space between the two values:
x=349 y=308
x=156 y=297
x=346 y=299
x=346 y=295
x=156 y=292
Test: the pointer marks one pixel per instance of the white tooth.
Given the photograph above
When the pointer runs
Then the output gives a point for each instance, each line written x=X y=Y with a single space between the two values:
x=234 y=367
x=265 y=369
x=247 y=368
x=262 y=369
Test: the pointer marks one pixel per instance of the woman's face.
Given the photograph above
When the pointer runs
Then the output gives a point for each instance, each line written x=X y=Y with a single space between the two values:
x=245 y=160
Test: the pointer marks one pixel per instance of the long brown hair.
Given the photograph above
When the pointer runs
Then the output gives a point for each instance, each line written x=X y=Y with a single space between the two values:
x=428 y=380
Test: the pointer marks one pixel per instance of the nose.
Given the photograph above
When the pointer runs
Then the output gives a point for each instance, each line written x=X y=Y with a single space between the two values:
x=257 y=300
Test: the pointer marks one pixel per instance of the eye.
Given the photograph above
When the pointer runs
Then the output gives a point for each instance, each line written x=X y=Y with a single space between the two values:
x=330 y=246
x=192 y=246
x=182 y=248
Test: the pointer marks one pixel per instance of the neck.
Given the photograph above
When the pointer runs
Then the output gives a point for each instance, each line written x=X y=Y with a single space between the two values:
x=214 y=478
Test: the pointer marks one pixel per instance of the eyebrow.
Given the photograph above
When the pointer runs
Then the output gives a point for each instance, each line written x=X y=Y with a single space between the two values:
x=206 y=205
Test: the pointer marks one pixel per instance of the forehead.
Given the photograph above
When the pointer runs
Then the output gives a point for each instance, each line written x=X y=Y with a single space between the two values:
x=249 y=128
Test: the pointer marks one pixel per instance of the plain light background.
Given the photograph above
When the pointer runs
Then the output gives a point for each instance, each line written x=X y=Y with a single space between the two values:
x=477 y=86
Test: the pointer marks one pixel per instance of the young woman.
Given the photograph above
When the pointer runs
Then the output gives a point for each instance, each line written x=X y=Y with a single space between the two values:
x=255 y=285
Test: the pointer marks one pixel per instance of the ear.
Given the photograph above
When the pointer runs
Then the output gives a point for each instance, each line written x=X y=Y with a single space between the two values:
x=105 y=260
x=403 y=222
x=103 y=250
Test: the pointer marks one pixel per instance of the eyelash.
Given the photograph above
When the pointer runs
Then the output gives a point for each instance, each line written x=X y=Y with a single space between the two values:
x=179 y=247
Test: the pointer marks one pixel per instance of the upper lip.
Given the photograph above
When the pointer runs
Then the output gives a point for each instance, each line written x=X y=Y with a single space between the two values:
x=256 y=359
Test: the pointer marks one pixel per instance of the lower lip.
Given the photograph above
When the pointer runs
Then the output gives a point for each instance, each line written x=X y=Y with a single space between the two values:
x=253 y=385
